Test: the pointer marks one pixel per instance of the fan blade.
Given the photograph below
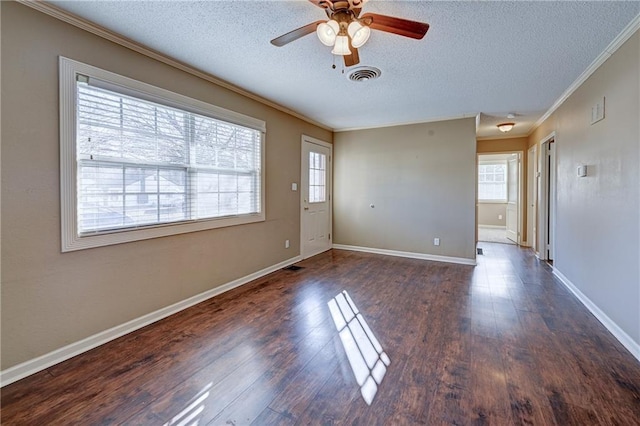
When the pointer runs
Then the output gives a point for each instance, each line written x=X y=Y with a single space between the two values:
x=324 y=4
x=353 y=59
x=390 y=24
x=295 y=34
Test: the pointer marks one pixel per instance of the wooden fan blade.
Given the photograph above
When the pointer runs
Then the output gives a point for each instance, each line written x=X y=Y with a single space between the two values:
x=353 y=59
x=324 y=4
x=391 y=24
x=295 y=34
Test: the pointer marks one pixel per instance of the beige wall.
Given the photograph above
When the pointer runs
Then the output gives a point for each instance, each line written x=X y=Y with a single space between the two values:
x=51 y=299
x=598 y=217
x=488 y=146
x=488 y=214
x=421 y=179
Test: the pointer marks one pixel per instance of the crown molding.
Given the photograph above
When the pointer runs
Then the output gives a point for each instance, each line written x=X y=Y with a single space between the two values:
x=76 y=21
x=617 y=42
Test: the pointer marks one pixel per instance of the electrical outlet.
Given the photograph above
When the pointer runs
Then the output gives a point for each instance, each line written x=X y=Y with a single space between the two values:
x=499 y=217
x=286 y=243
x=436 y=241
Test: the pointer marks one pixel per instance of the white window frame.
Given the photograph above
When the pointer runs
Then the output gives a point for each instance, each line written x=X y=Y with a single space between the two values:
x=71 y=240
x=506 y=177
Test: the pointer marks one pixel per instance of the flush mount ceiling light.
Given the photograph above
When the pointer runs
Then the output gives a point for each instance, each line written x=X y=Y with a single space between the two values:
x=506 y=127
x=346 y=30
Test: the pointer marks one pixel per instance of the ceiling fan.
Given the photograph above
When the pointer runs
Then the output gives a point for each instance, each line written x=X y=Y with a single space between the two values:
x=346 y=30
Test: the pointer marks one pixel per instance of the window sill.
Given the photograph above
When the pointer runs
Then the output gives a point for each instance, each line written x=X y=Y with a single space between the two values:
x=73 y=242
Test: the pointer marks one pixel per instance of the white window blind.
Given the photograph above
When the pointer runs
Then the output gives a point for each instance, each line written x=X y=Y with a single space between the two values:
x=145 y=158
x=492 y=182
x=142 y=163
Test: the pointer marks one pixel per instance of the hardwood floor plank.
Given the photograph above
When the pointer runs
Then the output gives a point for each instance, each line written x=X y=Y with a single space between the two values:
x=272 y=418
x=490 y=399
x=525 y=390
x=300 y=391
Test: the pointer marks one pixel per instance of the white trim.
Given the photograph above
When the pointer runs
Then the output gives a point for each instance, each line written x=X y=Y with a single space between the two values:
x=626 y=340
x=411 y=255
x=106 y=34
x=617 y=42
x=70 y=240
x=492 y=226
x=40 y=363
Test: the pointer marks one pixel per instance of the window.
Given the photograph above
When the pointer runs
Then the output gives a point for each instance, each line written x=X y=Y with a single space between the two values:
x=136 y=158
x=492 y=182
x=317 y=177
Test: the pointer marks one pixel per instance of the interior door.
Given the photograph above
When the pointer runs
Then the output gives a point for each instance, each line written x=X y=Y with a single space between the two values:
x=316 y=197
x=513 y=183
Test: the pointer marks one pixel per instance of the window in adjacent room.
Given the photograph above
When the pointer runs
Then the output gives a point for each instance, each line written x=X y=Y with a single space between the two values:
x=141 y=162
x=492 y=182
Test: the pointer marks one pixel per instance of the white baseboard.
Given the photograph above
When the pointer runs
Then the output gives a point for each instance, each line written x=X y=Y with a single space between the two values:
x=412 y=255
x=35 y=365
x=492 y=227
x=613 y=328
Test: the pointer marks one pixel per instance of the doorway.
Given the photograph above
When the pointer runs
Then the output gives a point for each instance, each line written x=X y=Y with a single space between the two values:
x=546 y=198
x=315 y=206
x=499 y=194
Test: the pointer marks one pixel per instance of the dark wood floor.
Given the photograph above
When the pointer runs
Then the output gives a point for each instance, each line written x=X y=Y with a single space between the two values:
x=501 y=343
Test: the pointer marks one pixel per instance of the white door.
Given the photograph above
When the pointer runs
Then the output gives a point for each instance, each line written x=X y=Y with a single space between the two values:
x=316 y=197
x=532 y=192
x=513 y=173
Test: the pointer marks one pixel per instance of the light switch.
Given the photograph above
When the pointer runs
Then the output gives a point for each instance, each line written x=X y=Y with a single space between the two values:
x=294 y=186
x=582 y=171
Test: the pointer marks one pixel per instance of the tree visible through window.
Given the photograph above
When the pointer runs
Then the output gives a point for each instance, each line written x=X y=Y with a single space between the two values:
x=492 y=182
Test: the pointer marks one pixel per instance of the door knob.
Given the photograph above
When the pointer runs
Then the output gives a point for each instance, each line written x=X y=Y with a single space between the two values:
x=306 y=208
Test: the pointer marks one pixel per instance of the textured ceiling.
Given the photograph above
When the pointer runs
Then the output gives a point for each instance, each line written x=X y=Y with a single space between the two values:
x=492 y=58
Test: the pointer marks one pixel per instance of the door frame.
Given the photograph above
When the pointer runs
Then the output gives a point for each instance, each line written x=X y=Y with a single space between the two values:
x=521 y=189
x=532 y=196
x=546 y=197
x=311 y=140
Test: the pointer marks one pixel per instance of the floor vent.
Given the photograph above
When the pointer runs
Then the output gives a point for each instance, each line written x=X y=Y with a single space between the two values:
x=479 y=250
x=293 y=268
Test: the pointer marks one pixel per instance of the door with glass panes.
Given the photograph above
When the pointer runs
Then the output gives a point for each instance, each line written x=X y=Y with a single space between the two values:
x=315 y=197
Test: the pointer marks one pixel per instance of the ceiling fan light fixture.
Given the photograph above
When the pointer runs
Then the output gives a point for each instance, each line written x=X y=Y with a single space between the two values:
x=359 y=33
x=342 y=46
x=505 y=127
x=327 y=32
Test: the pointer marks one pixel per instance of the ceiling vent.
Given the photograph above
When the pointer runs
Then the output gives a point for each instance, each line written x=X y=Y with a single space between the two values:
x=364 y=74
